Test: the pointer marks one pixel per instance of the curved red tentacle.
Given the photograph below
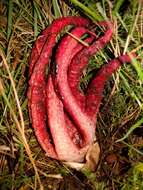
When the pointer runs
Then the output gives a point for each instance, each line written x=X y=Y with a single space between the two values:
x=37 y=83
x=85 y=125
x=95 y=89
x=58 y=125
x=81 y=60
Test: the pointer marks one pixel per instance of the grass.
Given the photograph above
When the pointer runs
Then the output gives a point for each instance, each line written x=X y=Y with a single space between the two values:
x=23 y=165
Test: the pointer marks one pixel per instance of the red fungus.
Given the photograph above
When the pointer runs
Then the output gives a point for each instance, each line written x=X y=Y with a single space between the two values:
x=37 y=89
x=63 y=117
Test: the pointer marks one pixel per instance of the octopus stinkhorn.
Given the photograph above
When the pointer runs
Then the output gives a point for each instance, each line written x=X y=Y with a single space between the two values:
x=63 y=116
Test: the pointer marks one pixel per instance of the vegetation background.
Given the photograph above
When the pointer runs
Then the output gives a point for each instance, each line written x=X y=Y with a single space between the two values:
x=23 y=165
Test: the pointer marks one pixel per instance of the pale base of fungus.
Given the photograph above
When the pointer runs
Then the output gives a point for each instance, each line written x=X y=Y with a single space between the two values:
x=91 y=159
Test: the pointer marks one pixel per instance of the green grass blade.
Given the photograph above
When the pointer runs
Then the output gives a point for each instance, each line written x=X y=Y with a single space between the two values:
x=132 y=93
x=9 y=25
x=117 y=6
x=35 y=22
x=139 y=167
x=139 y=69
x=87 y=11
x=56 y=8
x=133 y=148
x=133 y=127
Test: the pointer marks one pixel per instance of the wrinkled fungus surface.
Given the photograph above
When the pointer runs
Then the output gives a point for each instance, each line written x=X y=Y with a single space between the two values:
x=63 y=116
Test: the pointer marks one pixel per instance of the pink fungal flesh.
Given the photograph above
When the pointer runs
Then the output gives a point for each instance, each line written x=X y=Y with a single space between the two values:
x=64 y=117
